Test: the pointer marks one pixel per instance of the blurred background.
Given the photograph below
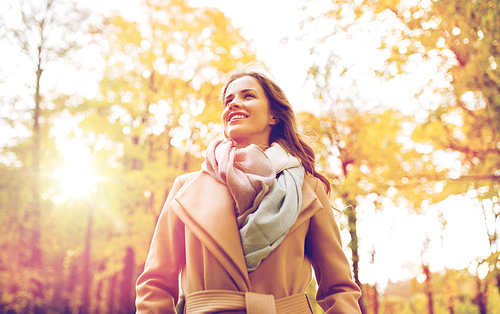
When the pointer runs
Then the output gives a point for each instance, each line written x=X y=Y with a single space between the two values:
x=103 y=103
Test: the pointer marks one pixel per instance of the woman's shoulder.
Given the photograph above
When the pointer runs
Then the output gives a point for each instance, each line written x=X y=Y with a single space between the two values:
x=183 y=178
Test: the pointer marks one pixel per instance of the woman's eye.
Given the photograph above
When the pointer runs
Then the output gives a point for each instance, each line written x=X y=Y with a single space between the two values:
x=249 y=96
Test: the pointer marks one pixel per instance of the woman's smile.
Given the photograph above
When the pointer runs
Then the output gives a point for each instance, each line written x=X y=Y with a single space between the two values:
x=234 y=117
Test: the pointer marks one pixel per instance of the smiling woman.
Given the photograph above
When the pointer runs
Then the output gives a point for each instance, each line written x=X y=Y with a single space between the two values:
x=245 y=232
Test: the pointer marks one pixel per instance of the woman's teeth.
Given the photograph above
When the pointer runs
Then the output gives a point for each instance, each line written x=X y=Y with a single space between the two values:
x=238 y=116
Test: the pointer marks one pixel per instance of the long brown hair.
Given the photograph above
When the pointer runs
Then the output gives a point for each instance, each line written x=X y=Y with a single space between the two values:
x=285 y=132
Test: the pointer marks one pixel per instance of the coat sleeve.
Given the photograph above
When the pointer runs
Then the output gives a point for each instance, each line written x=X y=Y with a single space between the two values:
x=157 y=288
x=337 y=292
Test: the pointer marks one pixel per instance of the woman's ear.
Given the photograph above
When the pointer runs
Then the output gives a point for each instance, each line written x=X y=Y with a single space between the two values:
x=273 y=121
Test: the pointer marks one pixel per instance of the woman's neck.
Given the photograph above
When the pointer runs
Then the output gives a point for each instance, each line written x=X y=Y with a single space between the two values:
x=242 y=144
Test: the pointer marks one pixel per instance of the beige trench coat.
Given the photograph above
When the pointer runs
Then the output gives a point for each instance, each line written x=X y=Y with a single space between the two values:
x=198 y=238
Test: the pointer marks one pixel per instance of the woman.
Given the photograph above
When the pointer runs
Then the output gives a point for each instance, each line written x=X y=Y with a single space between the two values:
x=243 y=232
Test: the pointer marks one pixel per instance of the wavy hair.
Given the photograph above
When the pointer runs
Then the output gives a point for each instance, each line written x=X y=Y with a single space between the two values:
x=285 y=132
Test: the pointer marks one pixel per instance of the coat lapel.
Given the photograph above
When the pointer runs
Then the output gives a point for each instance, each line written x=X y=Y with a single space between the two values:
x=310 y=204
x=207 y=209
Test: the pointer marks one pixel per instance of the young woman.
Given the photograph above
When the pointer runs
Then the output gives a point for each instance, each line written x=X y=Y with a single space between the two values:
x=244 y=232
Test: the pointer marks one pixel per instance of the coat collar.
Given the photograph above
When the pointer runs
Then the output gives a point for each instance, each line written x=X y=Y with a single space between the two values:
x=208 y=210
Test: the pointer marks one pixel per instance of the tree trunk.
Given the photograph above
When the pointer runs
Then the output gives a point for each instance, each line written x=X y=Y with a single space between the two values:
x=375 y=299
x=187 y=161
x=451 y=304
x=428 y=289
x=481 y=298
x=126 y=287
x=497 y=276
x=72 y=279
x=167 y=147
x=87 y=273
x=352 y=221
x=98 y=298
x=33 y=215
x=111 y=294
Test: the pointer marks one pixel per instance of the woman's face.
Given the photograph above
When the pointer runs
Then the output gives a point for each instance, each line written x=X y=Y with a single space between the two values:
x=247 y=117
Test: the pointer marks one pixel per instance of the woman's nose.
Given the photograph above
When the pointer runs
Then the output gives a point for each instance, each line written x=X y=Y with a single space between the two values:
x=234 y=104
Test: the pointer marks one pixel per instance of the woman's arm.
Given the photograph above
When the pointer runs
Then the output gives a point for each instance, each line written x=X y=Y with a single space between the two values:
x=337 y=292
x=158 y=286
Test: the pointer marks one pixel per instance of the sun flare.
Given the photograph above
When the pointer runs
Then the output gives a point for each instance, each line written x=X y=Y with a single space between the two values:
x=76 y=175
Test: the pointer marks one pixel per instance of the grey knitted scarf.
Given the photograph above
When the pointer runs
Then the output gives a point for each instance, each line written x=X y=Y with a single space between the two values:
x=267 y=189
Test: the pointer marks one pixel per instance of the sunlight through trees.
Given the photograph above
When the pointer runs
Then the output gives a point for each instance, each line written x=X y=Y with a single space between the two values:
x=405 y=125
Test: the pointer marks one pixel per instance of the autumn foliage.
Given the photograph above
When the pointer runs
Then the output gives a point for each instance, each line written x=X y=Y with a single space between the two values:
x=83 y=178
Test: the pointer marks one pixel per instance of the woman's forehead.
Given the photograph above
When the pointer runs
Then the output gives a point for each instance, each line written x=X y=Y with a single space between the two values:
x=243 y=83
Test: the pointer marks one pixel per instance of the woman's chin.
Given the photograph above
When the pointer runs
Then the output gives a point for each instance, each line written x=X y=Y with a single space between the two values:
x=242 y=139
x=238 y=137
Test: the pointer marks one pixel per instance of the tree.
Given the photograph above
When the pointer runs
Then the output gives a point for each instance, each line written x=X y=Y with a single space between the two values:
x=457 y=41
x=462 y=38
x=42 y=34
x=156 y=110
x=157 y=105
x=363 y=155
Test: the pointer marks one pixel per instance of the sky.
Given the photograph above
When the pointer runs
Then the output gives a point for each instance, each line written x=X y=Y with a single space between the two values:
x=396 y=234
x=266 y=24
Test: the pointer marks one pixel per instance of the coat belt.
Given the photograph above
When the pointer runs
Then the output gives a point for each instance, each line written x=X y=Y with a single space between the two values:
x=214 y=301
